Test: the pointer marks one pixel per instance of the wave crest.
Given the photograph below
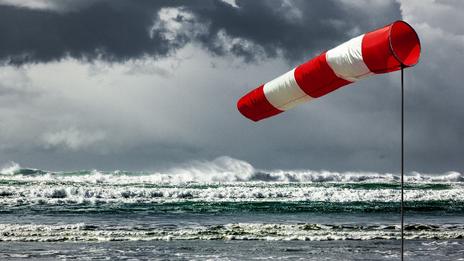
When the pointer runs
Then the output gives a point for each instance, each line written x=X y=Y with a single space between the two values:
x=233 y=231
x=10 y=168
x=220 y=170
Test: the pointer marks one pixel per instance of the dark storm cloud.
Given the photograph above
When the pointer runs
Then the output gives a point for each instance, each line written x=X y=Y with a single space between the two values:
x=119 y=29
x=115 y=29
x=297 y=28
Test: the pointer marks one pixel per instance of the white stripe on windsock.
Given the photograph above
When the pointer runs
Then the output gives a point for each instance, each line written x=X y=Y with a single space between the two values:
x=346 y=60
x=284 y=93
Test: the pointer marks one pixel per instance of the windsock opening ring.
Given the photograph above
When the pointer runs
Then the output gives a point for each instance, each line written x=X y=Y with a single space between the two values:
x=404 y=43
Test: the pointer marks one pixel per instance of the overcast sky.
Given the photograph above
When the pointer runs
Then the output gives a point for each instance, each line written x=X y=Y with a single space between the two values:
x=140 y=85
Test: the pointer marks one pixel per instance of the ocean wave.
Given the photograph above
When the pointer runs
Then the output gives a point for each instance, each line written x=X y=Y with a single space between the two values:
x=222 y=185
x=50 y=194
x=97 y=207
x=220 y=170
x=233 y=231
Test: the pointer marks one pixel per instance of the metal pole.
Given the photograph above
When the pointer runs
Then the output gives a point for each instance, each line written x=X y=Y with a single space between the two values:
x=402 y=163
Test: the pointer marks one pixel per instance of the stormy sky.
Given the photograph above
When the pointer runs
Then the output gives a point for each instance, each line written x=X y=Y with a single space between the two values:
x=140 y=85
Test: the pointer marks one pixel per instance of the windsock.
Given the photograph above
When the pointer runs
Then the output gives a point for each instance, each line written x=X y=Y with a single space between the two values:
x=381 y=51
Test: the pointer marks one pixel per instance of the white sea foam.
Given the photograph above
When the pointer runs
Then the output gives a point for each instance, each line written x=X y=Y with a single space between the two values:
x=224 y=179
x=237 y=231
x=76 y=193
x=220 y=170
x=10 y=169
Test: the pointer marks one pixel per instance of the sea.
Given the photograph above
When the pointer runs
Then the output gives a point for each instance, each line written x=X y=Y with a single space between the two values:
x=226 y=209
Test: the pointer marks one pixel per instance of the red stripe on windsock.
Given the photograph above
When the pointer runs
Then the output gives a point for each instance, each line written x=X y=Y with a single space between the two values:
x=255 y=106
x=316 y=78
x=376 y=51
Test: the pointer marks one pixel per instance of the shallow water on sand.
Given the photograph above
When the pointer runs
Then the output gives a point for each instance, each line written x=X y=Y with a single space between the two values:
x=234 y=250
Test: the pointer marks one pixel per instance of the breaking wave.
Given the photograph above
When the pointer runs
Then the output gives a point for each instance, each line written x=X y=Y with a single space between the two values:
x=225 y=184
x=73 y=193
x=233 y=231
x=221 y=170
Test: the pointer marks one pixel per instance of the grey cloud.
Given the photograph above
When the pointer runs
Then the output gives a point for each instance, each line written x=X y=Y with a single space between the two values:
x=299 y=28
x=120 y=29
x=435 y=91
x=112 y=30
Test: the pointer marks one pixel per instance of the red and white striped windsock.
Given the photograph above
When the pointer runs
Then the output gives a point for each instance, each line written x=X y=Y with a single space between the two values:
x=380 y=51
